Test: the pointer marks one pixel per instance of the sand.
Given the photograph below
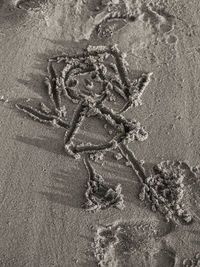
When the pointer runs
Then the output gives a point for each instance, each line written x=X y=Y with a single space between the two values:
x=55 y=209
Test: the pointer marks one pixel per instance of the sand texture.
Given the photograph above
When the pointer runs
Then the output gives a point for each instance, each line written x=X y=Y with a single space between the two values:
x=99 y=133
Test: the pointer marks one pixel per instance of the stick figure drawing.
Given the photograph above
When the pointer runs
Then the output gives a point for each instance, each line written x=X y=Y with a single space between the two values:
x=88 y=80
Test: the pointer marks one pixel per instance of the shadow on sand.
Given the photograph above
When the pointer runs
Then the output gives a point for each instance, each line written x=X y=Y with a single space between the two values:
x=68 y=188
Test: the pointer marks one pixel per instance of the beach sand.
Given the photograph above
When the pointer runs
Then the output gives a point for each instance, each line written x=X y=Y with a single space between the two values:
x=42 y=188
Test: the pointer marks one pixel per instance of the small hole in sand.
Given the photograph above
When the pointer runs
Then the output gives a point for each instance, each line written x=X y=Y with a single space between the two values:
x=171 y=39
x=165 y=28
x=72 y=83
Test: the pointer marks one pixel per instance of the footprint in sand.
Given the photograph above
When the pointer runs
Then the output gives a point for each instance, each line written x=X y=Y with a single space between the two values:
x=133 y=244
x=138 y=24
x=31 y=4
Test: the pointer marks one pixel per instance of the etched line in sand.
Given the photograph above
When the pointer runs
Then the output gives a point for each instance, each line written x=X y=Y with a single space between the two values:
x=99 y=194
x=86 y=80
x=42 y=116
x=75 y=125
x=91 y=65
x=54 y=90
x=165 y=189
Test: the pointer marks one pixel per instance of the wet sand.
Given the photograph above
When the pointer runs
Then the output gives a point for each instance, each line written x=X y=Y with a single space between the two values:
x=42 y=188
